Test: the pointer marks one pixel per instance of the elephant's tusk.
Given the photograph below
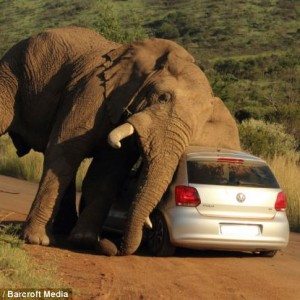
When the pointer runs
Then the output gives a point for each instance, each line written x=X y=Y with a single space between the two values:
x=148 y=223
x=119 y=133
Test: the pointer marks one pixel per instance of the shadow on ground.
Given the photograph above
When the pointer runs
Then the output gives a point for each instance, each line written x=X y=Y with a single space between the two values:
x=61 y=241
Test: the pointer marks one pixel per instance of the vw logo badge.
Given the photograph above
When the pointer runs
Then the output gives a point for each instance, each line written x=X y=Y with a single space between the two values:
x=240 y=197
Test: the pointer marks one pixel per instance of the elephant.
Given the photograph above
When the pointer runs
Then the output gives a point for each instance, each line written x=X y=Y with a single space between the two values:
x=72 y=94
x=33 y=76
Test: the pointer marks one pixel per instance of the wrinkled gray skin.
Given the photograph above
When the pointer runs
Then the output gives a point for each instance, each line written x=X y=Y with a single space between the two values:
x=153 y=85
x=37 y=82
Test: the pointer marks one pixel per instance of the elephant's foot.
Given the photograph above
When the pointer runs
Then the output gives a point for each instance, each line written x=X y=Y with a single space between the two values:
x=84 y=239
x=106 y=247
x=37 y=235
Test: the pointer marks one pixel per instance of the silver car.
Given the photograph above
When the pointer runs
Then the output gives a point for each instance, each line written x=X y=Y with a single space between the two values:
x=218 y=199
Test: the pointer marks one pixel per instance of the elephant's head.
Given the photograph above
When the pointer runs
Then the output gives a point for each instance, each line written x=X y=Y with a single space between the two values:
x=159 y=94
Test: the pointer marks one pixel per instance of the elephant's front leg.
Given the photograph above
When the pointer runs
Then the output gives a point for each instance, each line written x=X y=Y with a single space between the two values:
x=79 y=124
x=59 y=170
x=104 y=179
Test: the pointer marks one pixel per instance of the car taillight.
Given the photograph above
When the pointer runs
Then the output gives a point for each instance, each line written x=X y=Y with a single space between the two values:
x=281 y=202
x=186 y=196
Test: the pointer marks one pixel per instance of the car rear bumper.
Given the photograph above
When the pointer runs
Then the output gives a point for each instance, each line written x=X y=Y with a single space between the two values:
x=189 y=229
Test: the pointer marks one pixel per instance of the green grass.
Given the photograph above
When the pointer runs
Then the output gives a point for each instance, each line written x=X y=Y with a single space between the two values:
x=28 y=167
x=22 y=18
x=17 y=268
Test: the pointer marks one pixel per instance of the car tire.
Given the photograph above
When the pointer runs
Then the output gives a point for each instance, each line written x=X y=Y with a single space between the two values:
x=270 y=253
x=158 y=238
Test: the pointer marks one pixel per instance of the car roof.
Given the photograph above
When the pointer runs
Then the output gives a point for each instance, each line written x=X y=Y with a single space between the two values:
x=205 y=152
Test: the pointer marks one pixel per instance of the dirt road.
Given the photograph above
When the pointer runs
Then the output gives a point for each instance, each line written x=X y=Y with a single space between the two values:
x=187 y=275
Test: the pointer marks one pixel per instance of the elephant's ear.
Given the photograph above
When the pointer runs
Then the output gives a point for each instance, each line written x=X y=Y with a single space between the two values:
x=220 y=130
x=176 y=58
x=220 y=112
x=179 y=53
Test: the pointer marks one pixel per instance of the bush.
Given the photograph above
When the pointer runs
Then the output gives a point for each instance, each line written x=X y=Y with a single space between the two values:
x=108 y=23
x=257 y=66
x=266 y=139
x=167 y=31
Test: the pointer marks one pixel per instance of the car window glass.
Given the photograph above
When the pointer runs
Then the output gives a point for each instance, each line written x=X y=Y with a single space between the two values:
x=233 y=174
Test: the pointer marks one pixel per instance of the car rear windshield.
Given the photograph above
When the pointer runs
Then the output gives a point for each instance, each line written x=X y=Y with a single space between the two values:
x=232 y=174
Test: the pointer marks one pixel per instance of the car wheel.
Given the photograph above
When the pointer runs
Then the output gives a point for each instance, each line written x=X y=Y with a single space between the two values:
x=270 y=253
x=158 y=239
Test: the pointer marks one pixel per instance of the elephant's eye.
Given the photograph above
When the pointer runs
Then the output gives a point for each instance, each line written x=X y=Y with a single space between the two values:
x=165 y=97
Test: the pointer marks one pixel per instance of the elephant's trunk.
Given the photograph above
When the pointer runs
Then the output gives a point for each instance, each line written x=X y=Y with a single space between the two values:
x=155 y=179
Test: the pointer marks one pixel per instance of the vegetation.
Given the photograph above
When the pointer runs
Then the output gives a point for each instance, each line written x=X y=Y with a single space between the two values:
x=287 y=171
x=20 y=19
x=266 y=139
x=17 y=269
x=28 y=167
